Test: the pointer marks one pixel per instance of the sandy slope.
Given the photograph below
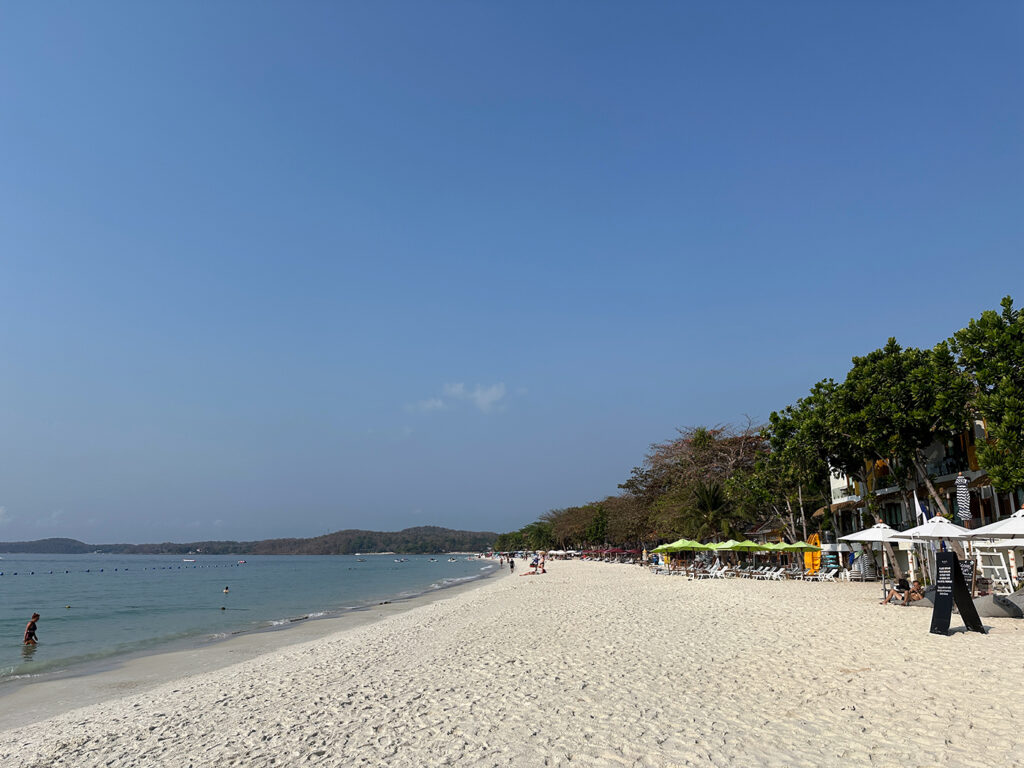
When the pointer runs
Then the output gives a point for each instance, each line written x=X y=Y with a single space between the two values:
x=590 y=665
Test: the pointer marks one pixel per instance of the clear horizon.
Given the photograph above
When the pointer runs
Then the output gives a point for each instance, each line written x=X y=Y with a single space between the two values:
x=277 y=271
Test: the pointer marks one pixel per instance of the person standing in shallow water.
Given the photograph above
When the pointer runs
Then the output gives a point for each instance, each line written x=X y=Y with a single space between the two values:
x=30 y=630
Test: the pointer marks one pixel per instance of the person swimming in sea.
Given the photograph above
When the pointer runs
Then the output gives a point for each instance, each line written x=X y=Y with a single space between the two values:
x=30 y=630
x=225 y=590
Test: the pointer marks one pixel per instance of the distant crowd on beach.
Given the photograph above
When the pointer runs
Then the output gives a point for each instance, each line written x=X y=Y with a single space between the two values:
x=536 y=560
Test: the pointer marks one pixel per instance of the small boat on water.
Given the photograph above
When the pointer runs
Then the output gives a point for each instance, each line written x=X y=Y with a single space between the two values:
x=241 y=562
x=453 y=560
x=188 y=559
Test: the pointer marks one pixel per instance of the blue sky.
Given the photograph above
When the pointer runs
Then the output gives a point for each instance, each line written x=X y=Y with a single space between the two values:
x=281 y=269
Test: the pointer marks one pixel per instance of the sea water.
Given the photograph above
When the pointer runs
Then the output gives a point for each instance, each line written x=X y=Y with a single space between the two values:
x=101 y=607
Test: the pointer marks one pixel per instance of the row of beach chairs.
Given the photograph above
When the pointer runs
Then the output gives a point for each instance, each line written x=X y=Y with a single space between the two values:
x=762 y=573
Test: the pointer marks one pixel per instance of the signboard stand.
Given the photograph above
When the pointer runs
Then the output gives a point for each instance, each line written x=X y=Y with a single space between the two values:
x=950 y=587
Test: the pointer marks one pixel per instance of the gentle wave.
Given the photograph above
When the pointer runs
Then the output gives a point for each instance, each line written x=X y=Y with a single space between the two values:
x=111 y=606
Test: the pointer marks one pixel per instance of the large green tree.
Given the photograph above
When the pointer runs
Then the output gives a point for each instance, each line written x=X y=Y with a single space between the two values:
x=895 y=402
x=991 y=352
x=797 y=466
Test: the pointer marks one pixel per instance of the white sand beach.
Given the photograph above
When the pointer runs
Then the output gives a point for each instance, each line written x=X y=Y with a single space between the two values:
x=590 y=665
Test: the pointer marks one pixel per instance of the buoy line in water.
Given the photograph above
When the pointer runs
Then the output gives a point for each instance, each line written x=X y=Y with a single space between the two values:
x=118 y=570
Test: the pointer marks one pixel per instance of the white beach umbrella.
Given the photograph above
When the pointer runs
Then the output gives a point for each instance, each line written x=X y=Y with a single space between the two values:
x=998 y=543
x=1010 y=528
x=880 y=533
x=935 y=529
x=876 y=534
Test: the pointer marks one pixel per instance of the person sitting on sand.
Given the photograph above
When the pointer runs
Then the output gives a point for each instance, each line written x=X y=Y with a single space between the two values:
x=901 y=588
x=30 y=630
x=913 y=594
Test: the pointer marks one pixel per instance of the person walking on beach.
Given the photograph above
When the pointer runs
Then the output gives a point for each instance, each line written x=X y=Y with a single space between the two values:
x=511 y=565
x=30 y=630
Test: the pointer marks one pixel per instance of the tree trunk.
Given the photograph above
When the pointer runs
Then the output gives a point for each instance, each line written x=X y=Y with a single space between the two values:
x=892 y=559
x=803 y=518
x=908 y=504
x=919 y=463
x=792 y=522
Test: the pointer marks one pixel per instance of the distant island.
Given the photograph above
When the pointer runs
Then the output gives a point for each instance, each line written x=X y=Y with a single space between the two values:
x=410 y=541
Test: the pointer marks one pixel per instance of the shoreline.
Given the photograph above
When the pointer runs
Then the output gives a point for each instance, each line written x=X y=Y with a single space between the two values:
x=28 y=700
x=591 y=664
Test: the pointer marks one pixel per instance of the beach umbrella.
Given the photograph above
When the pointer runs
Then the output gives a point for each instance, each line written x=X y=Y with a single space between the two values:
x=694 y=545
x=1010 y=528
x=876 y=534
x=880 y=533
x=800 y=546
x=963 y=498
x=747 y=546
x=936 y=529
x=675 y=546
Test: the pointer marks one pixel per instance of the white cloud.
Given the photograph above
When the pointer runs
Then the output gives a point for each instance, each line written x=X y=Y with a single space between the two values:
x=484 y=398
x=455 y=390
x=430 y=404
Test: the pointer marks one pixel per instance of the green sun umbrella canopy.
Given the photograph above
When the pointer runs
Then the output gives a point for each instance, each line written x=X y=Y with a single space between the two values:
x=801 y=546
x=673 y=547
x=690 y=544
x=747 y=546
x=679 y=545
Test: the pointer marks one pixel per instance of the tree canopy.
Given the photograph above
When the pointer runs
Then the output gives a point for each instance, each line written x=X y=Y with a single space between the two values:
x=893 y=404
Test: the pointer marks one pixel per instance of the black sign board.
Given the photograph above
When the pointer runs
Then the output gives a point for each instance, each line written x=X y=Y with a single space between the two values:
x=950 y=587
x=967 y=569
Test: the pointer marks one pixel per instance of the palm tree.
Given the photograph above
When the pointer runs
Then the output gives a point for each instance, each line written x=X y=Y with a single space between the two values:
x=710 y=512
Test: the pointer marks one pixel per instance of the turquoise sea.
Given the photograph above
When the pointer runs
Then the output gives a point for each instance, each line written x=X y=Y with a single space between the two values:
x=100 y=607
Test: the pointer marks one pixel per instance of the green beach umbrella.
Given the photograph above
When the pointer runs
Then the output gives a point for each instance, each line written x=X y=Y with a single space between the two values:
x=801 y=546
x=723 y=544
x=747 y=546
x=690 y=544
x=675 y=546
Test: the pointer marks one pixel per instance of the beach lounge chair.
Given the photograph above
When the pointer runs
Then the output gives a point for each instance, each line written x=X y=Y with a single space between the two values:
x=712 y=573
x=827 y=575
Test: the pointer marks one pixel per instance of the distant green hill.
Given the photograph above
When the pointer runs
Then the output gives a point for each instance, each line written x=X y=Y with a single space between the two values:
x=411 y=541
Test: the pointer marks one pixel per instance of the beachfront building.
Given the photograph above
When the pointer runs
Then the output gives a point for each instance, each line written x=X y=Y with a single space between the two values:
x=945 y=460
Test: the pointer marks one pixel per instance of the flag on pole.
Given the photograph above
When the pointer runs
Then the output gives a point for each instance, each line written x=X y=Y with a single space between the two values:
x=963 y=498
x=919 y=513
